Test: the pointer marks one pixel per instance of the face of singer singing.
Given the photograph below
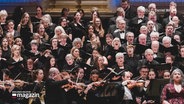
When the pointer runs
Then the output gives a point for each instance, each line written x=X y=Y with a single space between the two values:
x=69 y=61
x=54 y=43
x=130 y=51
x=177 y=76
x=149 y=56
x=52 y=62
x=10 y=25
x=97 y=22
x=16 y=52
x=120 y=60
x=77 y=16
x=121 y=25
x=5 y=42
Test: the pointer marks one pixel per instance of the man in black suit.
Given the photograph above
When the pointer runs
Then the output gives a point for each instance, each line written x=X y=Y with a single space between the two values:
x=169 y=31
x=129 y=40
x=119 y=67
x=153 y=17
x=130 y=12
x=149 y=60
x=121 y=31
x=139 y=20
x=54 y=93
x=113 y=27
x=172 y=13
x=119 y=13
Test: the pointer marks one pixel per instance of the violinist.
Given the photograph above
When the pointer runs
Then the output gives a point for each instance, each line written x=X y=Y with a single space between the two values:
x=128 y=97
x=37 y=86
x=6 y=87
x=90 y=90
x=54 y=93
x=75 y=94
x=94 y=89
x=149 y=99
x=3 y=62
x=139 y=91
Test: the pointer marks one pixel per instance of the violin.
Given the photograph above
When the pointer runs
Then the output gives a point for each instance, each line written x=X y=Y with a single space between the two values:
x=6 y=84
x=17 y=83
x=139 y=83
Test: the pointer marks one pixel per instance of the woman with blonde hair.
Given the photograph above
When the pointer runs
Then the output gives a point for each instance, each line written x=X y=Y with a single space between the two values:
x=15 y=61
x=76 y=54
x=10 y=38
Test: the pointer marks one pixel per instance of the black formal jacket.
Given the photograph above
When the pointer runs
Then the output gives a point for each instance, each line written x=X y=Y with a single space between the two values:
x=135 y=26
x=54 y=93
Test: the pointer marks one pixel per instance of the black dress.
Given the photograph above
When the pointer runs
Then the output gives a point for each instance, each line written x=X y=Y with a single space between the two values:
x=78 y=30
x=36 y=87
x=16 y=67
x=25 y=34
x=54 y=93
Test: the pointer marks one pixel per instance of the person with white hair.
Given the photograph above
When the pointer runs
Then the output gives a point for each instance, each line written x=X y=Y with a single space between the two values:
x=116 y=47
x=166 y=41
x=46 y=20
x=151 y=27
x=144 y=30
x=119 y=13
x=113 y=27
x=121 y=31
x=169 y=46
x=154 y=36
x=142 y=39
x=149 y=59
x=155 y=18
x=178 y=26
x=53 y=85
x=155 y=47
x=129 y=38
x=172 y=93
x=152 y=7
x=139 y=20
x=119 y=67
x=58 y=31
x=3 y=16
x=172 y=12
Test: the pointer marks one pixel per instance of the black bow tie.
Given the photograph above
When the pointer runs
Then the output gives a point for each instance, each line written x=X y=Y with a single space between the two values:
x=121 y=31
x=140 y=18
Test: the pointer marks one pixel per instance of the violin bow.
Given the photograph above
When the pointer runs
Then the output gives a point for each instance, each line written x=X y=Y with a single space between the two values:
x=77 y=78
x=17 y=76
x=112 y=71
